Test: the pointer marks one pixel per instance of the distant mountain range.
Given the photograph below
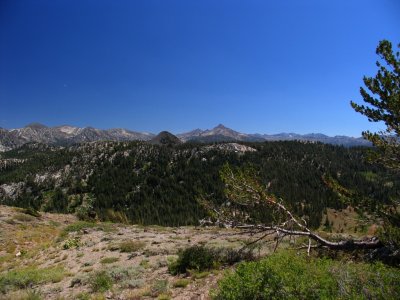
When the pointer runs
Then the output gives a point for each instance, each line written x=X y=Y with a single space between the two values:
x=67 y=135
x=64 y=135
x=222 y=133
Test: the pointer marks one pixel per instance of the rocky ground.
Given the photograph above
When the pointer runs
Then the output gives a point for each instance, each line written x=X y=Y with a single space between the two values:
x=55 y=256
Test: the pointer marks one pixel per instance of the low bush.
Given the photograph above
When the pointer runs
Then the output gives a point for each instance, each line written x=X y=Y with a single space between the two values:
x=109 y=260
x=123 y=276
x=101 y=282
x=193 y=258
x=84 y=211
x=83 y=296
x=159 y=287
x=164 y=297
x=78 y=226
x=199 y=275
x=286 y=275
x=181 y=283
x=81 y=225
x=23 y=278
x=145 y=264
x=232 y=256
x=126 y=277
x=23 y=218
x=132 y=283
x=131 y=246
x=72 y=243
x=28 y=294
x=201 y=258
x=33 y=295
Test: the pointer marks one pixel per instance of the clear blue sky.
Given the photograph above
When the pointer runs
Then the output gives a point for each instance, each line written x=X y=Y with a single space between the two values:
x=255 y=66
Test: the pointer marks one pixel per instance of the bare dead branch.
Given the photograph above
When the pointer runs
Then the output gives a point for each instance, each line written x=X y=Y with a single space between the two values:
x=243 y=192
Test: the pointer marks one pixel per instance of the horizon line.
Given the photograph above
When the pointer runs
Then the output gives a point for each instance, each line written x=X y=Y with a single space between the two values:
x=183 y=132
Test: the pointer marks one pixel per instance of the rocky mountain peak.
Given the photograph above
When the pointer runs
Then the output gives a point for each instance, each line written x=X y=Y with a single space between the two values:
x=165 y=138
x=67 y=135
x=221 y=126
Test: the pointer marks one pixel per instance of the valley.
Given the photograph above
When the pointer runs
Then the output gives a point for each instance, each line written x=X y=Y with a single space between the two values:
x=110 y=220
x=143 y=183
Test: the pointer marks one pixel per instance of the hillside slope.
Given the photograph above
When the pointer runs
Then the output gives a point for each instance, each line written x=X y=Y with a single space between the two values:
x=54 y=256
x=151 y=184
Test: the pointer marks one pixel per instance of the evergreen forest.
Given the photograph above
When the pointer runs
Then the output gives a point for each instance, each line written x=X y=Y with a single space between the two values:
x=142 y=183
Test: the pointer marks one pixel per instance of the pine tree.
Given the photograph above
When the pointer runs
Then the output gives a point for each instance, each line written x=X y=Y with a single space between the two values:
x=383 y=105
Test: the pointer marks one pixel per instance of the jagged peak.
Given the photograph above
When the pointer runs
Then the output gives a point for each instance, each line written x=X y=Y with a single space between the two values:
x=221 y=126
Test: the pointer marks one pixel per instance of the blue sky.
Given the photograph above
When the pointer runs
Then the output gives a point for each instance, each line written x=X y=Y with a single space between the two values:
x=255 y=66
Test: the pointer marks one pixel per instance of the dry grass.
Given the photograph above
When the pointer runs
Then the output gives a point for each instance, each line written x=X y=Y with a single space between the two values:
x=138 y=263
x=23 y=218
x=345 y=221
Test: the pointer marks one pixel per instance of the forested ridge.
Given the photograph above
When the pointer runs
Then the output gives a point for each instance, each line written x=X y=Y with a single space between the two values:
x=142 y=183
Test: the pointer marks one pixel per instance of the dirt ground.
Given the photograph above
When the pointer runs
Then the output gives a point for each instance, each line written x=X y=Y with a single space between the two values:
x=82 y=252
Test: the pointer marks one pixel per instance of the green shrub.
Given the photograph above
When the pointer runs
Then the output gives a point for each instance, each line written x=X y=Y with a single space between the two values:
x=164 y=297
x=232 y=256
x=196 y=257
x=286 y=275
x=200 y=258
x=159 y=287
x=72 y=243
x=26 y=295
x=22 y=278
x=85 y=211
x=101 y=282
x=181 y=283
x=131 y=246
x=126 y=277
x=81 y=225
x=109 y=260
x=199 y=275
x=132 y=283
x=83 y=296
x=144 y=263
